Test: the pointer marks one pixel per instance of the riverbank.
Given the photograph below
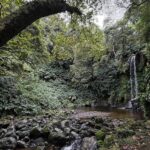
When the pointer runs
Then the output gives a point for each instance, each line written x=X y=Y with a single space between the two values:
x=61 y=129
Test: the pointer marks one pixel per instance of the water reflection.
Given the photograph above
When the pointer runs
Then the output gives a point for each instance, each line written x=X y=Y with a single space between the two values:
x=116 y=113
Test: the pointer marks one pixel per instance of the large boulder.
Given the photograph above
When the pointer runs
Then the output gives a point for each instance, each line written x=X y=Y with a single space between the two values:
x=89 y=143
x=58 y=138
x=35 y=133
x=8 y=143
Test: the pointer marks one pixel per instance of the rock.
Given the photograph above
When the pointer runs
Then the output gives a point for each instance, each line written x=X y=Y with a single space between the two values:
x=39 y=142
x=26 y=139
x=109 y=139
x=89 y=143
x=4 y=125
x=99 y=120
x=35 y=133
x=21 y=124
x=85 y=133
x=67 y=130
x=8 y=143
x=84 y=127
x=10 y=133
x=64 y=123
x=21 y=144
x=59 y=131
x=58 y=139
x=124 y=133
x=41 y=148
x=2 y=133
x=74 y=134
x=92 y=131
x=22 y=134
x=45 y=132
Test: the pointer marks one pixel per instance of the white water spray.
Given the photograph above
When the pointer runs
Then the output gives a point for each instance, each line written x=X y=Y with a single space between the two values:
x=133 y=78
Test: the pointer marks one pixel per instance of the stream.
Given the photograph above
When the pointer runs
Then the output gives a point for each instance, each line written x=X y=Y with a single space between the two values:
x=75 y=130
x=89 y=112
x=101 y=111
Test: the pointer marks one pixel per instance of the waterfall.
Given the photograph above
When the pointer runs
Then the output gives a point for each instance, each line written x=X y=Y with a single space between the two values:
x=133 y=78
x=74 y=146
x=87 y=143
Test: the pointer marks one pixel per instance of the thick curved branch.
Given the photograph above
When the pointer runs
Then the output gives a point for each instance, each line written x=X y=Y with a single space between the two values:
x=11 y=25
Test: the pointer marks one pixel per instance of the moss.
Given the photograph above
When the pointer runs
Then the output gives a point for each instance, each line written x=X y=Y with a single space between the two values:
x=109 y=139
x=100 y=143
x=124 y=132
x=100 y=135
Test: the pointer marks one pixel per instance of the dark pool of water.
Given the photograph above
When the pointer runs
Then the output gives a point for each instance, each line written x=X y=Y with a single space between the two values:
x=117 y=113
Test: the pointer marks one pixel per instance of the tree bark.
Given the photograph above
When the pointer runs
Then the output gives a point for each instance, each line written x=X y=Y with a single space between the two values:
x=13 y=24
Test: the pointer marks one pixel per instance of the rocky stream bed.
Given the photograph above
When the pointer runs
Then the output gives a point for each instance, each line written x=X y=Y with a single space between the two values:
x=74 y=130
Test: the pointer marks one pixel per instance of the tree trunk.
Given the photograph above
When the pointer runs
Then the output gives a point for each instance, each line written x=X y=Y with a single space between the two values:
x=11 y=25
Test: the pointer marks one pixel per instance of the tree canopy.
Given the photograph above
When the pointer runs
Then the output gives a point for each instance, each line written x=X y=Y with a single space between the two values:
x=30 y=11
x=18 y=20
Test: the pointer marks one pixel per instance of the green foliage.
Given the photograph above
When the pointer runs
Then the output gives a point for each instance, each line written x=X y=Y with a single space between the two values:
x=12 y=102
x=143 y=24
x=23 y=50
x=123 y=39
x=9 y=6
x=71 y=39
x=83 y=44
x=145 y=91
x=100 y=135
x=48 y=95
x=47 y=88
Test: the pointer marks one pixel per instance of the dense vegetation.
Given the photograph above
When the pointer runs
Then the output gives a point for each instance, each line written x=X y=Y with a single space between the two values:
x=97 y=60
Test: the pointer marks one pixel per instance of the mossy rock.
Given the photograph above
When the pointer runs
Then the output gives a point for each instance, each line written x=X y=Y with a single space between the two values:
x=100 y=135
x=99 y=120
x=45 y=132
x=58 y=139
x=107 y=142
x=109 y=139
x=124 y=133
x=100 y=143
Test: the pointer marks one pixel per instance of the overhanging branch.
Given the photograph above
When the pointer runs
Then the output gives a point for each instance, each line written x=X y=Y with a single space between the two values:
x=13 y=24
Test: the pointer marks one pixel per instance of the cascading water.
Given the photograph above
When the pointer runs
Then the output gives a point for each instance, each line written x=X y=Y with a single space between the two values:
x=88 y=143
x=133 y=81
x=74 y=146
x=133 y=78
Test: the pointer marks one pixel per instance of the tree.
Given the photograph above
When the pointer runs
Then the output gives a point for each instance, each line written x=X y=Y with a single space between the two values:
x=14 y=23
